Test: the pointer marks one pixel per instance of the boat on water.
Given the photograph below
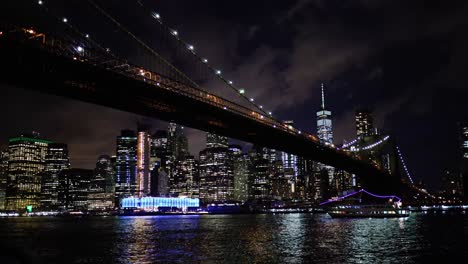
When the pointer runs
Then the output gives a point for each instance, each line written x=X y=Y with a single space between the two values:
x=363 y=204
x=366 y=211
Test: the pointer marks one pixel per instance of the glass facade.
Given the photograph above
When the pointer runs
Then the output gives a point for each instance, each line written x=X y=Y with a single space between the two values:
x=56 y=160
x=73 y=189
x=126 y=164
x=25 y=171
x=324 y=123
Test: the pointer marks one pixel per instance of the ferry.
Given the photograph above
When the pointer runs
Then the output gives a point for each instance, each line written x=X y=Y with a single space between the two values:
x=366 y=211
x=355 y=205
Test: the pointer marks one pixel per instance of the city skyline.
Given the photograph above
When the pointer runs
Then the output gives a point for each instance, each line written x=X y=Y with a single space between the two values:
x=410 y=95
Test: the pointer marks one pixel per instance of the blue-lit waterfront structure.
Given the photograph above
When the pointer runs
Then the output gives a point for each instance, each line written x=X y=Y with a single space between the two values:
x=153 y=203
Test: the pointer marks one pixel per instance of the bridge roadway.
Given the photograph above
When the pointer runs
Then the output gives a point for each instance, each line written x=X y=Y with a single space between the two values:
x=54 y=67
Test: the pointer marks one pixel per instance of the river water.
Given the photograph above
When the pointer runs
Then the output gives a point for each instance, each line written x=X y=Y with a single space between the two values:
x=281 y=238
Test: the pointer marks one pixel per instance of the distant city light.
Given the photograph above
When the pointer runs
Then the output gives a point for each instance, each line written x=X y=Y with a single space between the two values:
x=65 y=20
x=87 y=35
x=40 y=2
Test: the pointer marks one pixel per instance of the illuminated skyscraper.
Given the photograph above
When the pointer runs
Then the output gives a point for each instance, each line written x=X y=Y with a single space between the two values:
x=364 y=123
x=216 y=170
x=143 y=163
x=324 y=123
x=324 y=133
x=25 y=171
x=126 y=165
x=56 y=160
x=241 y=171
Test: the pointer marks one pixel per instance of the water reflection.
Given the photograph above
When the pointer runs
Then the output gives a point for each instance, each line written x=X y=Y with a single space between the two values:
x=283 y=238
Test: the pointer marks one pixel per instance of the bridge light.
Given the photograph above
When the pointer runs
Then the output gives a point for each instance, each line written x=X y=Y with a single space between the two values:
x=230 y=82
x=107 y=49
x=251 y=99
x=261 y=117
x=261 y=107
x=156 y=15
x=274 y=126
x=175 y=33
x=87 y=35
x=224 y=108
x=241 y=91
x=190 y=47
x=79 y=49
x=205 y=60
x=270 y=113
x=65 y=20
x=218 y=72
x=40 y=2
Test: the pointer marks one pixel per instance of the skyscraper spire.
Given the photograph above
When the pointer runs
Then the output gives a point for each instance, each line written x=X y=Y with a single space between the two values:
x=323 y=98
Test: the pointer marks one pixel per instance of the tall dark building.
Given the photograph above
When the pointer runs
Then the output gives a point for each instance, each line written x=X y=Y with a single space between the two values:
x=126 y=165
x=56 y=160
x=464 y=156
x=102 y=185
x=26 y=165
x=3 y=177
x=73 y=189
x=364 y=123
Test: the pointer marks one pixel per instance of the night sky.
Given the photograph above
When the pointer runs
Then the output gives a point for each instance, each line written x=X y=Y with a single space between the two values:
x=406 y=60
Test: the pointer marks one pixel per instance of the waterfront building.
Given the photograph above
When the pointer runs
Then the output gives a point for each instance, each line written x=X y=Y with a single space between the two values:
x=452 y=185
x=3 y=177
x=102 y=185
x=73 y=189
x=154 y=204
x=261 y=187
x=26 y=165
x=126 y=164
x=56 y=160
x=463 y=126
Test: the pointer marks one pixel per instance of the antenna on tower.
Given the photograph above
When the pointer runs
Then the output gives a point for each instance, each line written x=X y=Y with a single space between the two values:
x=323 y=98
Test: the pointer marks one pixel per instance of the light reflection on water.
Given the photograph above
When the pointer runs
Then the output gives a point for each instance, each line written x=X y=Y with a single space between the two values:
x=280 y=238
